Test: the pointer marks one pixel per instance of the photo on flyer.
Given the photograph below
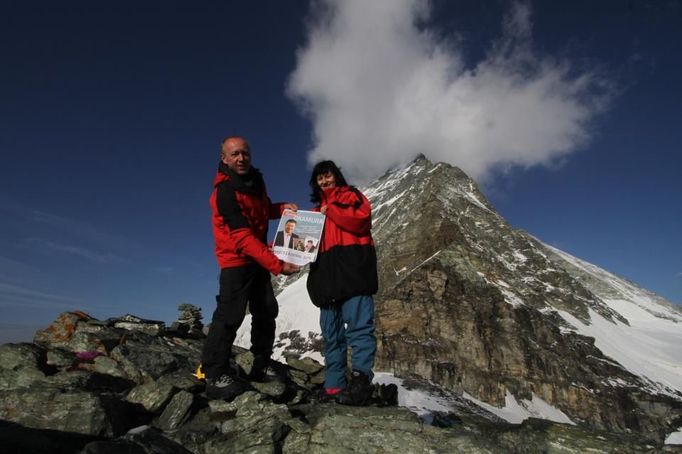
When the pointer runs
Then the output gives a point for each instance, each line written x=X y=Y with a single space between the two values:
x=298 y=236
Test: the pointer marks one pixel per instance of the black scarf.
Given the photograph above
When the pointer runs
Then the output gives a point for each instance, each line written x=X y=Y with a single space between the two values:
x=251 y=183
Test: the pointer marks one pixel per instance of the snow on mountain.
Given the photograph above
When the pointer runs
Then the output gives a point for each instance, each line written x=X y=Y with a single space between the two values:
x=674 y=438
x=649 y=343
x=296 y=313
x=612 y=288
x=425 y=404
x=516 y=411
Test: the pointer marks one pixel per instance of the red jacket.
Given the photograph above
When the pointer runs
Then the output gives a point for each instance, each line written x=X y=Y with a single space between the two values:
x=241 y=210
x=346 y=264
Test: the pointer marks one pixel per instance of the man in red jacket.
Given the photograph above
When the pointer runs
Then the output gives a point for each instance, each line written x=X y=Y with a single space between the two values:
x=241 y=210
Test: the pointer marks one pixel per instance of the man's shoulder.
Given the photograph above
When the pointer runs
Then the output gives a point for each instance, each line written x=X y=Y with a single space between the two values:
x=220 y=179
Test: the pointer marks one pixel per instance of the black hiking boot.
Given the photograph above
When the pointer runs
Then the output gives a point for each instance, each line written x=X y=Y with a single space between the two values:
x=359 y=391
x=261 y=371
x=385 y=395
x=226 y=387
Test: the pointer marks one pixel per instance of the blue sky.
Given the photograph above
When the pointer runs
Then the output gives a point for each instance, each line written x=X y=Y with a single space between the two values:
x=111 y=117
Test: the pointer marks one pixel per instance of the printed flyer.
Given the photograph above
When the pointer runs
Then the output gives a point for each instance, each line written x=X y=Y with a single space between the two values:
x=298 y=236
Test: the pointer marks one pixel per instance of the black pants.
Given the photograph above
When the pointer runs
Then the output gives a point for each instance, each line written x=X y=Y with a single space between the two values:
x=240 y=286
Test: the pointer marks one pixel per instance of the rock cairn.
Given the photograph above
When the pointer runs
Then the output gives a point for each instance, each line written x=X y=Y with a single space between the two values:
x=189 y=323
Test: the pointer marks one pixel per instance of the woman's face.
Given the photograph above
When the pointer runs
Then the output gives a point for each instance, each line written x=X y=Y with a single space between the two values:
x=326 y=180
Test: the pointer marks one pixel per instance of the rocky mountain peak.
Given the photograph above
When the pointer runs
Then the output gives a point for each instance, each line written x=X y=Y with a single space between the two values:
x=481 y=309
x=472 y=304
x=429 y=208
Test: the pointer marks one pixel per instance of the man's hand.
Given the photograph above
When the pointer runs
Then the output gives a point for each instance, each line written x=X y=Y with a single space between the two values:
x=289 y=268
x=323 y=209
x=290 y=206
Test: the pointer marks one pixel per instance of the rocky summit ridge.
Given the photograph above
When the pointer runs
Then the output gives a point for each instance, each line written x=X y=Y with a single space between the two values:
x=127 y=385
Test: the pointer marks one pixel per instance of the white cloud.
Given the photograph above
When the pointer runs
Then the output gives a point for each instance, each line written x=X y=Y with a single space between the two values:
x=381 y=87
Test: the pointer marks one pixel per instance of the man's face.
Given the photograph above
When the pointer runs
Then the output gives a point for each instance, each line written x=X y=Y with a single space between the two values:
x=289 y=227
x=237 y=155
x=326 y=180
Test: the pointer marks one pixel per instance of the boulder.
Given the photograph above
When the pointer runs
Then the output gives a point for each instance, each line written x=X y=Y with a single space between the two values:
x=73 y=411
x=144 y=362
x=307 y=365
x=142 y=440
x=22 y=355
x=176 y=412
x=153 y=396
x=78 y=332
x=60 y=358
x=250 y=423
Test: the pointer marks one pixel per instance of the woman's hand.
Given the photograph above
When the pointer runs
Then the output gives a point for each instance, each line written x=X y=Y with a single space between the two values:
x=323 y=209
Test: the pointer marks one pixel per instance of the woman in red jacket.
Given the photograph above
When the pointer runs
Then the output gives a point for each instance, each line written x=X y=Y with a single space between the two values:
x=341 y=283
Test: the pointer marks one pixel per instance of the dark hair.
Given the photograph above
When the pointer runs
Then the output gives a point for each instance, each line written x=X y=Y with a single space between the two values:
x=290 y=220
x=320 y=168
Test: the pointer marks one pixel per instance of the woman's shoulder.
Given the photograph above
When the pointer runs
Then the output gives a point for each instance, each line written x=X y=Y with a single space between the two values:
x=346 y=191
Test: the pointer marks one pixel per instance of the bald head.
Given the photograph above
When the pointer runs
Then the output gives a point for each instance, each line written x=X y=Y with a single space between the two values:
x=236 y=154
